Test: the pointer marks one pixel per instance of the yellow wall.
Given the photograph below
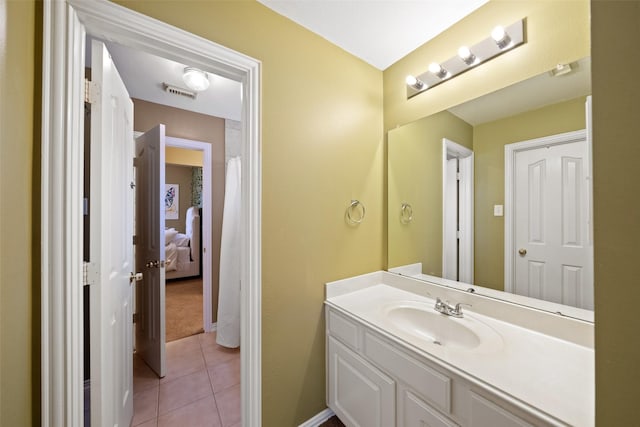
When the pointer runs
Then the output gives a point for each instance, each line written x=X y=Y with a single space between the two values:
x=321 y=147
x=19 y=192
x=489 y=140
x=414 y=175
x=183 y=156
x=557 y=32
x=616 y=148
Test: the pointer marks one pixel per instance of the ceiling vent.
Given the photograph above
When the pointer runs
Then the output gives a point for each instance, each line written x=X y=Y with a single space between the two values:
x=179 y=91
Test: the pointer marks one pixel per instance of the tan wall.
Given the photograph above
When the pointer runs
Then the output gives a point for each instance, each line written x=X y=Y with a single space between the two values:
x=183 y=156
x=489 y=140
x=414 y=176
x=19 y=218
x=198 y=127
x=321 y=147
x=557 y=32
x=181 y=175
x=616 y=130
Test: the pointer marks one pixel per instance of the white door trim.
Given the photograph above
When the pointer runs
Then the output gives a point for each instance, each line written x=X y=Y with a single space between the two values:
x=465 y=258
x=65 y=24
x=207 y=220
x=510 y=151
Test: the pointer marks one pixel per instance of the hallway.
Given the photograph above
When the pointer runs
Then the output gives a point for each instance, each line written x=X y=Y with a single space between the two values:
x=201 y=388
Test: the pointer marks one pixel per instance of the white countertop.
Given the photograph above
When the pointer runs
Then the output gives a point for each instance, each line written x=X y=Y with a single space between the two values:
x=555 y=376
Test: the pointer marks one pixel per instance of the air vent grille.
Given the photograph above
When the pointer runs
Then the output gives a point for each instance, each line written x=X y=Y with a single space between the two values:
x=178 y=91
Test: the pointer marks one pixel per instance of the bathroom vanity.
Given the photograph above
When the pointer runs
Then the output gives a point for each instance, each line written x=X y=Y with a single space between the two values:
x=393 y=360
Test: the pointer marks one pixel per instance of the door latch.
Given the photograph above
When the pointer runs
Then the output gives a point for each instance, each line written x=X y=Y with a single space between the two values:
x=135 y=277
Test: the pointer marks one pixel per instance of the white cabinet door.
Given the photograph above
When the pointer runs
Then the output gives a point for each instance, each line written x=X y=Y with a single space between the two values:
x=414 y=412
x=486 y=413
x=359 y=394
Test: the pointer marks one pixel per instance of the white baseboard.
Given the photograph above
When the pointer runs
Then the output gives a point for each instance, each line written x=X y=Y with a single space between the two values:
x=318 y=418
x=212 y=327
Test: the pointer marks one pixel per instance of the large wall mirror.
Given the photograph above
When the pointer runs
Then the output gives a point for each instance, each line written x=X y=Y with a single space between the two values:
x=494 y=196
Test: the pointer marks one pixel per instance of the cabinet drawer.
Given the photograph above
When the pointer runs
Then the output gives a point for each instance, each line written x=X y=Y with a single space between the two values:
x=414 y=412
x=431 y=384
x=343 y=329
x=486 y=413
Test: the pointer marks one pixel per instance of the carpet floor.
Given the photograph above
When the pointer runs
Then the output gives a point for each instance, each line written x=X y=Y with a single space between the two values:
x=183 y=312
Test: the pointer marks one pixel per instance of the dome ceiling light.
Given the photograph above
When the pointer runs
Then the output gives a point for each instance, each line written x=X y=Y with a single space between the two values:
x=195 y=79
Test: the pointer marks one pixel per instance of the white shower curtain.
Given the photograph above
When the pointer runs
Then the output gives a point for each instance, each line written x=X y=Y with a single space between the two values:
x=228 y=328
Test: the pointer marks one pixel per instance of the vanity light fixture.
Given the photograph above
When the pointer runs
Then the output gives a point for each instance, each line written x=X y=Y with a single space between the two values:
x=466 y=55
x=195 y=79
x=500 y=40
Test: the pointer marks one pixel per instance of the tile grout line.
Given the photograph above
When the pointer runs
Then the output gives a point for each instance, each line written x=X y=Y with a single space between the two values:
x=215 y=401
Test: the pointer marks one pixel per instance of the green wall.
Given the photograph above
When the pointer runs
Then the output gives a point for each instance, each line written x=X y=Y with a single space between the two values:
x=19 y=220
x=489 y=140
x=321 y=147
x=414 y=174
x=616 y=149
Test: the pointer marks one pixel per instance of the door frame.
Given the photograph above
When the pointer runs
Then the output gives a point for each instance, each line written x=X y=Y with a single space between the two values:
x=465 y=253
x=65 y=25
x=510 y=151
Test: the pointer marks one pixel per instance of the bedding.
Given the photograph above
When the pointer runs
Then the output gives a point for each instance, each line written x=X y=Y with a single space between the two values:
x=182 y=250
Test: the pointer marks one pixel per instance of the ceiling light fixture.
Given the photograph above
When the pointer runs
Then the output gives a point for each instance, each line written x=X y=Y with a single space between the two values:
x=195 y=79
x=501 y=40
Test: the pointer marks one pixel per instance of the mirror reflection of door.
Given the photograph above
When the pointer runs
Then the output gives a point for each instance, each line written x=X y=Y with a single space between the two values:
x=457 y=214
x=551 y=250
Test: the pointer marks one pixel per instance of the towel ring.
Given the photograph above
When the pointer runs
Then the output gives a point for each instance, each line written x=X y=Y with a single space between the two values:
x=353 y=207
x=406 y=213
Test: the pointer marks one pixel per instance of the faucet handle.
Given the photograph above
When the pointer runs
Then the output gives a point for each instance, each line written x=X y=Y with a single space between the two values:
x=457 y=310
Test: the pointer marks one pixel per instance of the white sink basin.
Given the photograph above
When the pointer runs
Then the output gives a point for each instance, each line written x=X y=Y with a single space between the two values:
x=421 y=321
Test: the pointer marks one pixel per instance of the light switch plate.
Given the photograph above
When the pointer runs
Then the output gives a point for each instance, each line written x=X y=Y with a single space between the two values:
x=498 y=210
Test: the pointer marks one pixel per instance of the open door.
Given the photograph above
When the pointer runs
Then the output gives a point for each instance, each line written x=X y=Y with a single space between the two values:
x=111 y=246
x=150 y=242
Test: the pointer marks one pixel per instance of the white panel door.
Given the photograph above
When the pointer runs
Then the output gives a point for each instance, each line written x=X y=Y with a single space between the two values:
x=150 y=251
x=551 y=205
x=111 y=247
x=450 y=221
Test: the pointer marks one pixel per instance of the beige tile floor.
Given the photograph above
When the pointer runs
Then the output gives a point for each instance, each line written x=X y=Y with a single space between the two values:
x=201 y=388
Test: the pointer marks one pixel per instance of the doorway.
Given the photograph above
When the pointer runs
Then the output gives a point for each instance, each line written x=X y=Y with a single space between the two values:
x=63 y=47
x=457 y=213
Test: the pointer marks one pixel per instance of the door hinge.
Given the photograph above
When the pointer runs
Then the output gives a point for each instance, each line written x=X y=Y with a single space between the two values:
x=458 y=176
x=135 y=317
x=134 y=240
x=136 y=162
x=459 y=234
x=89 y=273
x=91 y=91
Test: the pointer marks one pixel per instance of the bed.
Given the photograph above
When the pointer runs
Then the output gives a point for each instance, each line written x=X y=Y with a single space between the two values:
x=182 y=251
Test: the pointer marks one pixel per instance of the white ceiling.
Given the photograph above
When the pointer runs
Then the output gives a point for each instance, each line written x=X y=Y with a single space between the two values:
x=378 y=31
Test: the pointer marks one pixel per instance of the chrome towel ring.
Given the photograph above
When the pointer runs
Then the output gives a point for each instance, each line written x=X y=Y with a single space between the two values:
x=355 y=212
x=406 y=213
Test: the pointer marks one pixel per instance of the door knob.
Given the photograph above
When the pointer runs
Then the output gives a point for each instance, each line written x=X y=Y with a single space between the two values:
x=522 y=252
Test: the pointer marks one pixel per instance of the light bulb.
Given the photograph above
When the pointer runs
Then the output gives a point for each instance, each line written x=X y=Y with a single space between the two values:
x=435 y=68
x=414 y=82
x=195 y=79
x=466 y=55
x=500 y=36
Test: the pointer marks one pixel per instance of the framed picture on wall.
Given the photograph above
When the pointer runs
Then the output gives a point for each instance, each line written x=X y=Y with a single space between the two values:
x=172 y=201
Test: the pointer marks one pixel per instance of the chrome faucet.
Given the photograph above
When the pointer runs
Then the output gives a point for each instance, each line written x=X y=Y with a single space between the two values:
x=445 y=308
